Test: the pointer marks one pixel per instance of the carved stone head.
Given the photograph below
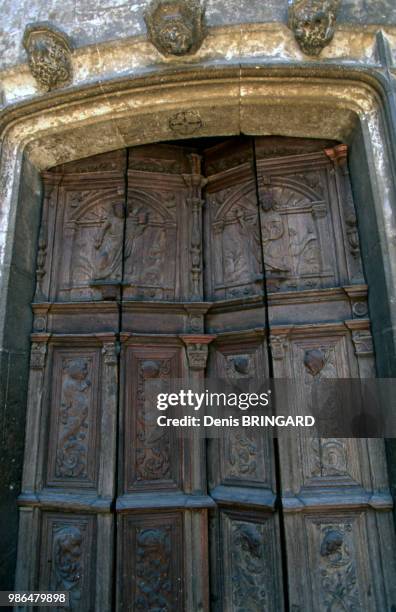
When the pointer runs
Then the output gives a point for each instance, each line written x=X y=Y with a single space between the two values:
x=49 y=55
x=176 y=27
x=313 y=23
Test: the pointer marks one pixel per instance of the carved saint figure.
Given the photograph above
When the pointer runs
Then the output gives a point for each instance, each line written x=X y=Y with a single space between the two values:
x=313 y=23
x=71 y=457
x=109 y=244
x=236 y=238
x=272 y=233
x=67 y=561
x=305 y=252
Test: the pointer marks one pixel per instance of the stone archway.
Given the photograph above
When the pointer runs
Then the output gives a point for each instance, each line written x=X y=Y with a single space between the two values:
x=226 y=103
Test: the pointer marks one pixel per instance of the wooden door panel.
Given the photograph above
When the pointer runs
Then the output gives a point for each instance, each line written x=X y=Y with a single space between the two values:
x=245 y=554
x=68 y=557
x=151 y=562
x=152 y=459
x=81 y=239
x=308 y=226
x=73 y=433
x=149 y=260
x=241 y=457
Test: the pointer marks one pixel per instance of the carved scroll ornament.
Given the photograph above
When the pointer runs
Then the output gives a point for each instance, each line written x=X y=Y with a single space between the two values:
x=176 y=27
x=49 y=55
x=313 y=23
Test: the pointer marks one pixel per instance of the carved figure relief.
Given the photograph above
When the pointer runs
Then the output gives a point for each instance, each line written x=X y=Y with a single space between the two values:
x=109 y=246
x=72 y=445
x=176 y=27
x=49 y=55
x=153 y=569
x=338 y=575
x=149 y=243
x=236 y=243
x=92 y=243
x=313 y=23
x=329 y=456
x=152 y=442
x=294 y=228
x=249 y=561
x=67 y=558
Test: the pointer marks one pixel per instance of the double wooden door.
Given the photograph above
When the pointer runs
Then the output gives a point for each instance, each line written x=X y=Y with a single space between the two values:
x=230 y=259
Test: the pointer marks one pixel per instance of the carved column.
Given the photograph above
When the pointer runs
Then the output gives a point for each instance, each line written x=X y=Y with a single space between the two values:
x=197 y=350
x=28 y=525
x=195 y=182
x=339 y=156
x=107 y=466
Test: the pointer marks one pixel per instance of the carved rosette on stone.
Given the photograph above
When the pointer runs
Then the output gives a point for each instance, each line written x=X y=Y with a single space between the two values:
x=313 y=23
x=197 y=348
x=49 y=55
x=176 y=27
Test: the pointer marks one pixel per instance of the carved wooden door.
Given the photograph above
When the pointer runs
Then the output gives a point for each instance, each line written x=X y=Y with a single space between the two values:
x=165 y=261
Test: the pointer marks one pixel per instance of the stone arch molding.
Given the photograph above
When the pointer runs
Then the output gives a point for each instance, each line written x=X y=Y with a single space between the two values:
x=217 y=102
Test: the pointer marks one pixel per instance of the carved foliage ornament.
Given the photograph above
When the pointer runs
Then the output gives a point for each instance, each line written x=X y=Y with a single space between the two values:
x=313 y=23
x=176 y=27
x=49 y=55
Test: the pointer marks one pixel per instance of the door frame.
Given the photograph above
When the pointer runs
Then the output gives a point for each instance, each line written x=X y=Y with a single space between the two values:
x=351 y=106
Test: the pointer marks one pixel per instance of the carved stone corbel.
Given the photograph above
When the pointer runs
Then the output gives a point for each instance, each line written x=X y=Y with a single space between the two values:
x=176 y=27
x=197 y=348
x=313 y=23
x=49 y=55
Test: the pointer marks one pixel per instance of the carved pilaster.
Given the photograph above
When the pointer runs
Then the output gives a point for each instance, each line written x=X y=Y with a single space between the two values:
x=364 y=347
x=38 y=353
x=195 y=182
x=49 y=55
x=109 y=385
x=38 y=356
x=339 y=157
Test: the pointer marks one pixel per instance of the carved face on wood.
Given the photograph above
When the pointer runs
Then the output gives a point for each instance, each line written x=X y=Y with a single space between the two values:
x=313 y=23
x=175 y=26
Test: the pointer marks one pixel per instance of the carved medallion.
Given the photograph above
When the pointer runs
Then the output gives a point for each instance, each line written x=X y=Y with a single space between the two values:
x=185 y=122
x=313 y=23
x=176 y=27
x=49 y=55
